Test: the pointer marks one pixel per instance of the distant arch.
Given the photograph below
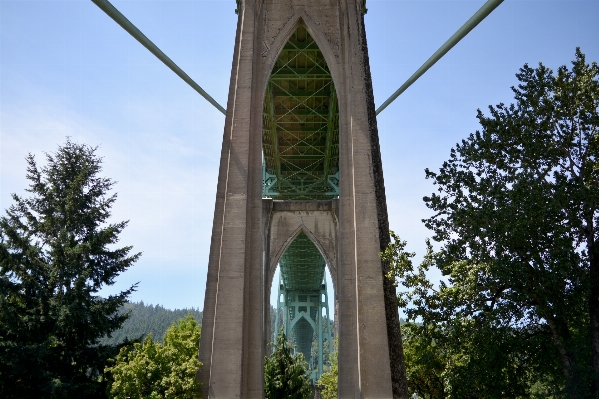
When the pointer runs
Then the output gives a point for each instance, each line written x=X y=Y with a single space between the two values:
x=274 y=260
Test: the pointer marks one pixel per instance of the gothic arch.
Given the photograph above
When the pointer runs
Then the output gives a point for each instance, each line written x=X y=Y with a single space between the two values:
x=300 y=18
x=276 y=254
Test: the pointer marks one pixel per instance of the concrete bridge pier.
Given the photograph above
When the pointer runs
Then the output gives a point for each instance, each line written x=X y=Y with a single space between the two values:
x=276 y=80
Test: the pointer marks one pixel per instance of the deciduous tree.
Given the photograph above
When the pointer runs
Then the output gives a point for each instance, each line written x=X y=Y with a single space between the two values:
x=517 y=211
x=456 y=348
x=156 y=371
x=329 y=379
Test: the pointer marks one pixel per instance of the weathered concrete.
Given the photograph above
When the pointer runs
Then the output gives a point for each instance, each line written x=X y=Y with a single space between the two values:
x=398 y=369
x=284 y=220
x=250 y=234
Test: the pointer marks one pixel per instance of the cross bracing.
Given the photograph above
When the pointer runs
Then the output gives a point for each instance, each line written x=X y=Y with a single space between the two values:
x=302 y=265
x=300 y=143
x=301 y=125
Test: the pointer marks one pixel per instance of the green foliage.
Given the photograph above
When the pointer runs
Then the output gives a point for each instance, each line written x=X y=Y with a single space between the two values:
x=457 y=350
x=147 y=319
x=285 y=375
x=155 y=371
x=328 y=380
x=57 y=251
x=313 y=364
x=516 y=212
x=425 y=362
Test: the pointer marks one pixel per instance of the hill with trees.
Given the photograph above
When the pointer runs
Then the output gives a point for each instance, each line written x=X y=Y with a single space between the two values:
x=145 y=319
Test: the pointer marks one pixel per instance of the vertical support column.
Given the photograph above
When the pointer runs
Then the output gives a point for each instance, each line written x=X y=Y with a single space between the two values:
x=396 y=355
x=346 y=300
x=232 y=343
x=231 y=346
x=286 y=328
x=364 y=367
x=329 y=335
x=254 y=348
x=319 y=335
x=279 y=305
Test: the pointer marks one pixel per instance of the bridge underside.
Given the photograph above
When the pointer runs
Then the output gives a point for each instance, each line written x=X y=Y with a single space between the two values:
x=300 y=131
x=301 y=162
x=302 y=305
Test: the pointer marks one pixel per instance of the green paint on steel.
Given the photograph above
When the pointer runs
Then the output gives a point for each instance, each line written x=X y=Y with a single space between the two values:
x=302 y=305
x=300 y=134
x=302 y=265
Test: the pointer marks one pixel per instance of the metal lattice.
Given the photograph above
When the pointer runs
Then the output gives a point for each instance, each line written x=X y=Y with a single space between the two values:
x=304 y=303
x=302 y=266
x=301 y=125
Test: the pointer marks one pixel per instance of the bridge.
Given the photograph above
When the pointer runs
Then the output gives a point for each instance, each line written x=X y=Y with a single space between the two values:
x=300 y=188
x=300 y=145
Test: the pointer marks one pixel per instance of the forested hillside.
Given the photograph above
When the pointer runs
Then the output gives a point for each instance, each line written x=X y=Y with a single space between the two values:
x=145 y=319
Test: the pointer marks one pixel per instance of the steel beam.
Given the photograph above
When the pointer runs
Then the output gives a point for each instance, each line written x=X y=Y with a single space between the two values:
x=120 y=19
x=481 y=14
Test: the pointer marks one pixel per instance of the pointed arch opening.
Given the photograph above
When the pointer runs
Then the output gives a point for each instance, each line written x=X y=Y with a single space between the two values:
x=301 y=307
x=300 y=130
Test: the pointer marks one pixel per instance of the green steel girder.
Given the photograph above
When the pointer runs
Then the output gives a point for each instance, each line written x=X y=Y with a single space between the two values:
x=300 y=125
x=302 y=93
x=303 y=302
x=302 y=265
x=332 y=140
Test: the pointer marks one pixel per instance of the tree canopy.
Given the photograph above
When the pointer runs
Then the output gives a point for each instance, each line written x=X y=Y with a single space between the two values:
x=285 y=374
x=148 y=319
x=57 y=250
x=516 y=214
x=328 y=380
x=155 y=371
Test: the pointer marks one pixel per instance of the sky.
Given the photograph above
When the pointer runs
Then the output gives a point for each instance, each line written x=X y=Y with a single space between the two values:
x=67 y=69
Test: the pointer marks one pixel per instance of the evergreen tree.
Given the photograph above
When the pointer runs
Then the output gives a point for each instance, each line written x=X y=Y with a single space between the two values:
x=285 y=375
x=145 y=319
x=57 y=250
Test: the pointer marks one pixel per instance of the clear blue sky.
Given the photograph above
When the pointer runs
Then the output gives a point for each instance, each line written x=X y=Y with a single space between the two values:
x=66 y=69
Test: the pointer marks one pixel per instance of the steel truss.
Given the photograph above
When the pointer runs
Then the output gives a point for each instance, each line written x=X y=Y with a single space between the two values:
x=303 y=308
x=301 y=125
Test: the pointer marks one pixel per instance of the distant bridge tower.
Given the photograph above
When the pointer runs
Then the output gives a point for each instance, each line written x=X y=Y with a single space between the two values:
x=302 y=303
x=300 y=186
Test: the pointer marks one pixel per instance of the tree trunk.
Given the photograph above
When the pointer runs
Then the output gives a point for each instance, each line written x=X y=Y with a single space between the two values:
x=560 y=336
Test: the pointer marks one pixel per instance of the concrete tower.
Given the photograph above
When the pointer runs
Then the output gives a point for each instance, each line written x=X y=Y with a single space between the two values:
x=300 y=160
